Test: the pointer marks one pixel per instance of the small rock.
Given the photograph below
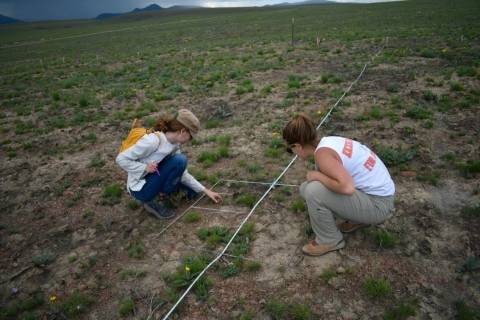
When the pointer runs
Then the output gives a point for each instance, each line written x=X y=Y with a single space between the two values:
x=263 y=301
x=341 y=270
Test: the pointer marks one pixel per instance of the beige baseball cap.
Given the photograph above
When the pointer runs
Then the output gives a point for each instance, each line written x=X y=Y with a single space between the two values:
x=189 y=120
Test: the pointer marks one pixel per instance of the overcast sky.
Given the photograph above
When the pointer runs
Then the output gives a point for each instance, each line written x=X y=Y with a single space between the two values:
x=30 y=10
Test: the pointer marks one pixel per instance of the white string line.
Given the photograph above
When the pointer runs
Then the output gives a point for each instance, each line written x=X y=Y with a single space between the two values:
x=219 y=210
x=343 y=95
x=268 y=183
x=226 y=254
x=175 y=220
x=97 y=33
x=229 y=242
x=192 y=206
x=264 y=195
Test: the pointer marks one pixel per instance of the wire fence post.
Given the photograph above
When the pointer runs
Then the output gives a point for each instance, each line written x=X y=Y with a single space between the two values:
x=293 y=23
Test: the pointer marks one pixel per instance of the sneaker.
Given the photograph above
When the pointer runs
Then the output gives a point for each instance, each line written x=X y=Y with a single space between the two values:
x=315 y=249
x=346 y=227
x=159 y=209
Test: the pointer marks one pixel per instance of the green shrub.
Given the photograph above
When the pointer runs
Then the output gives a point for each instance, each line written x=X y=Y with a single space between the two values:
x=431 y=177
x=391 y=157
x=276 y=309
x=418 y=112
x=229 y=271
x=96 y=161
x=465 y=71
x=133 y=204
x=472 y=210
x=246 y=199
x=470 y=264
x=214 y=235
x=429 y=95
x=192 y=217
x=43 y=259
x=240 y=90
x=301 y=312
x=425 y=53
x=113 y=190
x=212 y=124
x=137 y=252
x=276 y=143
x=298 y=205
x=252 y=265
x=376 y=288
x=402 y=311
x=328 y=274
x=253 y=168
x=456 y=87
x=75 y=299
x=385 y=239
x=392 y=88
x=126 y=307
x=208 y=156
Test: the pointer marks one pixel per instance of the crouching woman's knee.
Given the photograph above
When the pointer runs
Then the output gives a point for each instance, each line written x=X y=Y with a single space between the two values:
x=180 y=160
x=312 y=190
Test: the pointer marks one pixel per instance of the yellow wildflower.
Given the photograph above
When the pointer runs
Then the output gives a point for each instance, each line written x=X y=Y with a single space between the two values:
x=319 y=112
x=53 y=298
x=444 y=50
x=134 y=90
x=187 y=268
x=147 y=86
x=276 y=134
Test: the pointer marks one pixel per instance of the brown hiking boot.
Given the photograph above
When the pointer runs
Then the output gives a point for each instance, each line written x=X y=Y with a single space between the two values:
x=346 y=227
x=315 y=249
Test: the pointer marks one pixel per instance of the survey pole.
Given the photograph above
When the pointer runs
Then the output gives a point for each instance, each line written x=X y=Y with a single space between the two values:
x=293 y=23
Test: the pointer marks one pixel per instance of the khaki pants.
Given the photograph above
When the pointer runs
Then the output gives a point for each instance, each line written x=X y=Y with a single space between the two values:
x=325 y=205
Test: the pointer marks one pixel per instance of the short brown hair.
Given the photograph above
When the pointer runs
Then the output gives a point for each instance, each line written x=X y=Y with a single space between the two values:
x=300 y=130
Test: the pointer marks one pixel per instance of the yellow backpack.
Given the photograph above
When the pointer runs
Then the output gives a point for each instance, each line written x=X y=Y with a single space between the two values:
x=135 y=134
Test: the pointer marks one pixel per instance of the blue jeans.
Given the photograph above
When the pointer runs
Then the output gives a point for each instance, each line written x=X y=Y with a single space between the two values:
x=168 y=181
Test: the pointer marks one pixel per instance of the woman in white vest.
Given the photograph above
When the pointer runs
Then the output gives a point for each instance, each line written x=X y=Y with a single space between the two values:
x=349 y=183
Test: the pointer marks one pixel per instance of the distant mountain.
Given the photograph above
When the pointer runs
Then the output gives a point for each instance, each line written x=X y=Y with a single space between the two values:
x=5 y=19
x=152 y=7
x=183 y=7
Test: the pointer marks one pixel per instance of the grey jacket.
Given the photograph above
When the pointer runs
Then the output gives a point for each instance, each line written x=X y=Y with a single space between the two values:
x=135 y=159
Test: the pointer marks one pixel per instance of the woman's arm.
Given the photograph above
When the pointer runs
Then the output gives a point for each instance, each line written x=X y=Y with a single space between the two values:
x=334 y=176
x=213 y=195
x=128 y=159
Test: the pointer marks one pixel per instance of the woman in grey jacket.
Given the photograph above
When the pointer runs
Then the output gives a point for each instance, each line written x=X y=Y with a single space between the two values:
x=155 y=166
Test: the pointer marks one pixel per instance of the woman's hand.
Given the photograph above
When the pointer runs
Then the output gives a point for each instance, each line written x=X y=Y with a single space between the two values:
x=151 y=167
x=213 y=195
x=313 y=175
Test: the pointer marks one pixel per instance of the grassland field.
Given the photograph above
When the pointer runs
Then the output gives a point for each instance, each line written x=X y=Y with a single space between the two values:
x=75 y=245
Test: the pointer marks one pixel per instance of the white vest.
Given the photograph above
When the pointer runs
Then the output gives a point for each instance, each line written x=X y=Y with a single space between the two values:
x=368 y=172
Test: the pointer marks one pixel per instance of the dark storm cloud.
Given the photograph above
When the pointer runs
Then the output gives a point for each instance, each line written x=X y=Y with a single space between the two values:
x=28 y=10
x=31 y=10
